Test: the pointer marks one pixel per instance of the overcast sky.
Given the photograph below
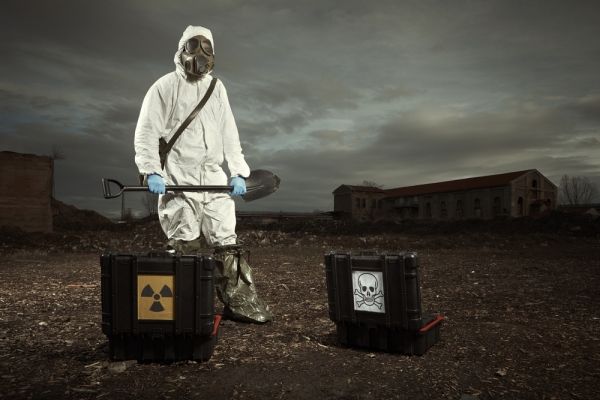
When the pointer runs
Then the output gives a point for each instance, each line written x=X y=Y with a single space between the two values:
x=324 y=92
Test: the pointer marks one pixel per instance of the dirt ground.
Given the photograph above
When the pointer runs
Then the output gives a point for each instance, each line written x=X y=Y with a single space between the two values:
x=522 y=322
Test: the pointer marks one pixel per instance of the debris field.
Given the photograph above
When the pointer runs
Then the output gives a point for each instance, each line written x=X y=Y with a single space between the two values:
x=522 y=315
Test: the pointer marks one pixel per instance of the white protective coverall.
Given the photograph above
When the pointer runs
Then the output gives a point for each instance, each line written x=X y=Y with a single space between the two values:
x=196 y=157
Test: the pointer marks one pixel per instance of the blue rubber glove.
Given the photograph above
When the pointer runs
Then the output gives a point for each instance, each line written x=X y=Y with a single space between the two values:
x=238 y=185
x=156 y=184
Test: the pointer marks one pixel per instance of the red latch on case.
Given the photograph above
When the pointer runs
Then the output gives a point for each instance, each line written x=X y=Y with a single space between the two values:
x=431 y=324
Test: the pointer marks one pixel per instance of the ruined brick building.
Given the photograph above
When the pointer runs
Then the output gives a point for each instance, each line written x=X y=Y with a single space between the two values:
x=512 y=194
x=26 y=191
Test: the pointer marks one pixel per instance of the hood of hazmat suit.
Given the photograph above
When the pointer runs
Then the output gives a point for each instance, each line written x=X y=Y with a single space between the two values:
x=189 y=33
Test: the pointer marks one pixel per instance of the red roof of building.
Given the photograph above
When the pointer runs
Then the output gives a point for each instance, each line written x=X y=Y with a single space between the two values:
x=478 y=182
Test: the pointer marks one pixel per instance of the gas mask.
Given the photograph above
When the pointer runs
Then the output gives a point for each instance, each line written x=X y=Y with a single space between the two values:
x=197 y=57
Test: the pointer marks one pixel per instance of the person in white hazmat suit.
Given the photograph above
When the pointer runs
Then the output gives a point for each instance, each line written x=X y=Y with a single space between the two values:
x=196 y=159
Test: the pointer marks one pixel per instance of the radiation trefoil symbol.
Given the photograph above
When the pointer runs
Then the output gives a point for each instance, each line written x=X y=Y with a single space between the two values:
x=156 y=294
x=156 y=304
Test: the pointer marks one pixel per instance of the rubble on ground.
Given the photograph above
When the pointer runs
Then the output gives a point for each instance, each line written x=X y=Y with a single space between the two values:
x=68 y=217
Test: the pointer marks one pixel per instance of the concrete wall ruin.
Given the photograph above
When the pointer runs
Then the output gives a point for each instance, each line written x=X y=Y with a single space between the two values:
x=26 y=191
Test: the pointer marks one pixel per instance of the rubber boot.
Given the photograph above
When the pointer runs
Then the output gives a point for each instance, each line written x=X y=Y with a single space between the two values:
x=235 y=287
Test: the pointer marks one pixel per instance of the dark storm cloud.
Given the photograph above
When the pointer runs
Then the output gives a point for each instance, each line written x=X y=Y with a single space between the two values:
x=12 y=99
x=324 y=92
x=588 y=107
x=589 y=142
x=112 y=28
x=392 y=93
x=410 y=149
x=284 y=107
x=328 y=138
x=314 y=96
x=430 y=137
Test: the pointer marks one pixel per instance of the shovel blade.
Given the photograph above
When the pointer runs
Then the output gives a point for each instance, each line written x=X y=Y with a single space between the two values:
x=260 y=183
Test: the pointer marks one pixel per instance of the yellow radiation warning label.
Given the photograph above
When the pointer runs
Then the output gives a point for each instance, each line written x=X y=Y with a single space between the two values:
x=155 y=297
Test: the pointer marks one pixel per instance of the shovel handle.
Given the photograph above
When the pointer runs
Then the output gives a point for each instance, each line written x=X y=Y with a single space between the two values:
x=175 y=188
x=259 y=183
x=106 y=188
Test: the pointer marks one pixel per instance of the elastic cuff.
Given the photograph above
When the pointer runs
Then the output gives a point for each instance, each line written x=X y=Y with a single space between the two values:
x=150 y=168
x=237 y=173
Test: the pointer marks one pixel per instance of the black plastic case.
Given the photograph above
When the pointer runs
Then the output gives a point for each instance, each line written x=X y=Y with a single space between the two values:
x=158 y=307
x=375 y=301
x=391 y=339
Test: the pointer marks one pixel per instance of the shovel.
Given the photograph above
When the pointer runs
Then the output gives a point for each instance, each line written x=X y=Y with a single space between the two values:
x=259 y=184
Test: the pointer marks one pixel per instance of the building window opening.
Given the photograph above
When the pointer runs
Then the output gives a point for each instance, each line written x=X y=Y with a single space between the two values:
x=364 y=203
x=443 y=210
x=414 y=213
x=534 y=189
x=373 y=203
x=520 y=207
x=477 y=207
x=459 y=209
x=497 y=206
x=428 y=210
x=357 y=202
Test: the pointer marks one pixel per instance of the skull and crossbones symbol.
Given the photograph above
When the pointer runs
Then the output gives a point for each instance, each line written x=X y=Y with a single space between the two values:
x=368 y=294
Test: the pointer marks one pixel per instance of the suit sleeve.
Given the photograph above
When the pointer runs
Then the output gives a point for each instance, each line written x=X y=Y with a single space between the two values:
x=148 y=130
x=231 y=141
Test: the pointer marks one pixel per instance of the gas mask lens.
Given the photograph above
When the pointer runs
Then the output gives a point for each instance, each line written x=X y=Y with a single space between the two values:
x=197 y=44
